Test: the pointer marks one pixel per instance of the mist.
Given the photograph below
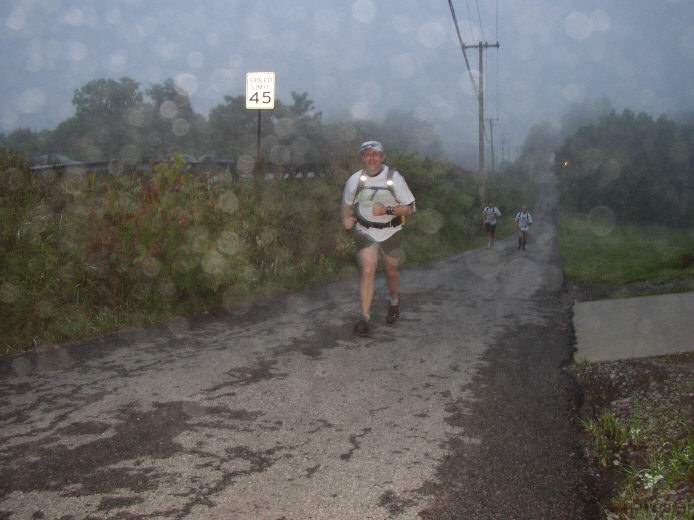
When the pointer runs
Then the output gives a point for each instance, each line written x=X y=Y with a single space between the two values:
x=360 y=60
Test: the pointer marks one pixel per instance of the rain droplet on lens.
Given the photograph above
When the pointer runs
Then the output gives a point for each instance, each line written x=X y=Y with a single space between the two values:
x=601 y=220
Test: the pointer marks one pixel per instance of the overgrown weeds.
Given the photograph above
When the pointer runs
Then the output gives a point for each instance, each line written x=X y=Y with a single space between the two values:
x=641 y=430
x=85 y=253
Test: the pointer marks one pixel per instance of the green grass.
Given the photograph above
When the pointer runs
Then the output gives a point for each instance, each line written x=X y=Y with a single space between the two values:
x=625 y=254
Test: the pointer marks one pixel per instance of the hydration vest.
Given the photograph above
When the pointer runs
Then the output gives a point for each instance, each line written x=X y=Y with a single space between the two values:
x=362 y=185
x=363 y=177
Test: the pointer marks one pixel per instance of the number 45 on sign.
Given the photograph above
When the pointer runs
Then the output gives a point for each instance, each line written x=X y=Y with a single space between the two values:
x=260 y=90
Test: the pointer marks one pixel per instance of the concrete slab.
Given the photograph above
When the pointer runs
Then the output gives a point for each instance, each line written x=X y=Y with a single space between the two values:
x=634 y=327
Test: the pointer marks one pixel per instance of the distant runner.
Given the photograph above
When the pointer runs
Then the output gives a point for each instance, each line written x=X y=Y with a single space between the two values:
x=523 y=222
x=490 y=214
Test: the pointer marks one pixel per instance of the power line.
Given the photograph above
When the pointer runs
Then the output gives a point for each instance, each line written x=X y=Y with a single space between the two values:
x=481 y=46
x=478 y=91
x=479 y=19
x=462 y=47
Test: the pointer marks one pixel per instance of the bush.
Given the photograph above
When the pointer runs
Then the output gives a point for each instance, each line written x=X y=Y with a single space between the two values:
x=84 y=253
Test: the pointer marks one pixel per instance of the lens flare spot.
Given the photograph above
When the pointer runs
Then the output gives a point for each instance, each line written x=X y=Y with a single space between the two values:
x=213 y=262
x=13 y=178
x=402 y=66
x=601 y=20
x=229 y=243
x=17 y=20
x=186 y=84
x=130 y=154
x=430 y=221
x=228 y=202
x=519 y=275
x=399 y=255
x=21 y=367
x=74 y=16
x=326 y=21
x=114 y=16
x=233 y=304
x=77 y=51
x=363 y=11
x=168 y=109
x=136 y=116
x=220 y=79
x=31 y=101
x=285 y=127
x=150 y=267
x=245 y=164
x=431 y=35
x=488 y=264
x=74 y=183
x=9 y=292
x=679 y=153
x=573 y=93
x=117 y=61
x=301 y=146
x=178 y=326
x=578 y=26
x=360 y=110
x=180 y=127
x=601 y=220
x=196 y=60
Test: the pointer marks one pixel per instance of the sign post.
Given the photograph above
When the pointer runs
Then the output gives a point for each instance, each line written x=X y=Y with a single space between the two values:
x=260 y=95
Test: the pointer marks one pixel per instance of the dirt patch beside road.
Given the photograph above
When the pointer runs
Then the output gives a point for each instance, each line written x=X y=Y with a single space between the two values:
x=635 y=409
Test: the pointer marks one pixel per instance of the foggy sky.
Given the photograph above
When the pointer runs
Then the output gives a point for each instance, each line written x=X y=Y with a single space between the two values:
x=356 y=58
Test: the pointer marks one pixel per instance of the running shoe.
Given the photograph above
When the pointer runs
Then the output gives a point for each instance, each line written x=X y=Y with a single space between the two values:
x=362 y=327
x=393 y=314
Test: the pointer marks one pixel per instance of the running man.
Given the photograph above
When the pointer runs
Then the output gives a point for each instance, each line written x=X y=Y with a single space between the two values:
x=490 y=214
x=523 y=222
x=374 y=201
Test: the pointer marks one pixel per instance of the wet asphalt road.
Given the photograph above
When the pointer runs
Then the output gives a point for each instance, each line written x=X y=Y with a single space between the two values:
x=459 y=411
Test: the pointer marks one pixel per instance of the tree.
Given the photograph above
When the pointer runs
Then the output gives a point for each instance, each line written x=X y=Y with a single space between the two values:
x=406 y=133
x=23 y=141
x=174 y=125
x=233 y=127
x=640 y=168
x=583 y=114
x=301 y=105
x=100 y=127
x=537 y=152
x=106 y=98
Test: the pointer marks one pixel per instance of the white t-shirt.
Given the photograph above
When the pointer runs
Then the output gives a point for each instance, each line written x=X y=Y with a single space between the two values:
x=524 y=220
x=375 y=190
x=490 y=214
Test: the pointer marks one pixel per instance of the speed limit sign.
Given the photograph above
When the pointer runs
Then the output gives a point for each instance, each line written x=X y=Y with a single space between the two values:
x=260 y=90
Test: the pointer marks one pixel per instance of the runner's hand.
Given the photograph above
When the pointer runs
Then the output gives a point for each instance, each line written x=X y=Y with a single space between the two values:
x=348 y=222
x=378 y=209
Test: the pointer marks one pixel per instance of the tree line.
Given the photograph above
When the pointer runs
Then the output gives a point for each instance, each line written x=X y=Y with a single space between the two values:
x=641 y=168
x=117 y=119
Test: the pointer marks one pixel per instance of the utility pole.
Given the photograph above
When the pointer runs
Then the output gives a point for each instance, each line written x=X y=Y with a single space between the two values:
x=480 y=98
x=491 y=141
x=503 y=148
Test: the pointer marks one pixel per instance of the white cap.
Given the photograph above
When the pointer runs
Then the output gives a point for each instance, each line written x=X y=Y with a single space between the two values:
x=375 y=145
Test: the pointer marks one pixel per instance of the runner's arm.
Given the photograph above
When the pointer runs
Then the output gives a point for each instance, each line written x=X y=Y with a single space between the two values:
x=348 y=218
x=401 y=210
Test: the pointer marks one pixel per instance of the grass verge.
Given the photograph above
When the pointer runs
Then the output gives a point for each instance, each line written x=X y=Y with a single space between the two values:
x=625 y=254
x=638 y=414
